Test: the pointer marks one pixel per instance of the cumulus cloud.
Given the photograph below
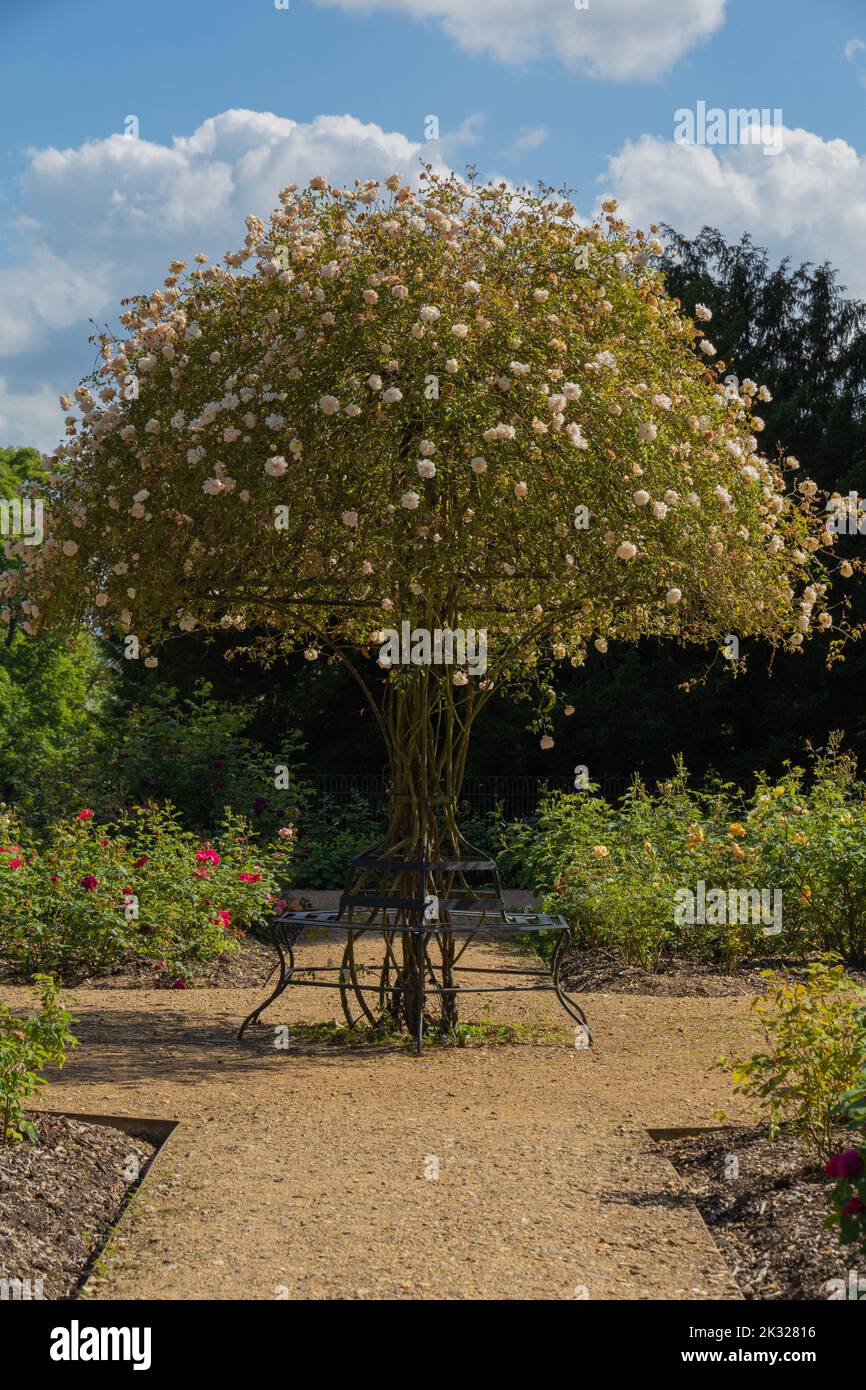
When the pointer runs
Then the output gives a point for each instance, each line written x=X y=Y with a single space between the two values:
x=529 y=140
x=621 y=40
x=30 y=414
x=808 y=200
x=101 y=221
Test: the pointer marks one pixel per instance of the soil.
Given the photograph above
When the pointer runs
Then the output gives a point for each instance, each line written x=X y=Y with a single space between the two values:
x=250 y=966
x=769 y=1221
x=59 y=1198
x=601 y=972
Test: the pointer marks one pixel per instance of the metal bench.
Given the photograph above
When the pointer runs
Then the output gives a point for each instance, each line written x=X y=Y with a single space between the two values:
x=460 y=914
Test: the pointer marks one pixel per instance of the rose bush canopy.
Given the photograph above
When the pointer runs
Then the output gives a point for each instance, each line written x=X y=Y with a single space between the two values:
x=453 y=406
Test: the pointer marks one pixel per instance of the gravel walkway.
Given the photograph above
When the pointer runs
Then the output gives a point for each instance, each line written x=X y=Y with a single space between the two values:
x=312 y=1174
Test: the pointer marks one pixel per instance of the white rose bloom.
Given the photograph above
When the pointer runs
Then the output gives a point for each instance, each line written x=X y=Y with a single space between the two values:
x=410 y=501
x=371 y=297
x=349 y=518
x=707 y=348
x=452 y=365
x=460 y=678
x=426 y=448
x=426 y=469
x=519 y=369
x=545 y=742
x=626 y=551
x=673 y=596
x=374 y=382
x=213 y=486
x=329 y=405
x=520 y=489
x=659 y=510
x=641 y=497
x=541 y=296
x=478 y=465
x=101 y=600
x=70 y=548
x=151 y=662
x=460 y=330
x=571 y=391
x=352 y=410
x=429 y=313
x=392 y=394
x=275 y=467
x=647 y=431
x=703 y=313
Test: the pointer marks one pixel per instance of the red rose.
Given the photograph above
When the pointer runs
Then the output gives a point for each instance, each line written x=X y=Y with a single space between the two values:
x=140 y=863
x=207 y=856
x=14 y=863
x=178 y=984
x=844 y=1165
x=854 y=1207
x=89 y=882
x=84 y=815
x=249 y=878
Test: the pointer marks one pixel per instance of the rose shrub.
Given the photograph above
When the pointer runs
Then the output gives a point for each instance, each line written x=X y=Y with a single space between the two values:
x=92 y=894
x=615 y=871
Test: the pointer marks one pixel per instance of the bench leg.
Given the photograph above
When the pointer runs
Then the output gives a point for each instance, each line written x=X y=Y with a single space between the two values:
x=283 y=948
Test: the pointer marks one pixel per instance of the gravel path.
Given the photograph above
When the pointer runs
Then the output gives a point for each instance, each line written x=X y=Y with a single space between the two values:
x=311 y=1174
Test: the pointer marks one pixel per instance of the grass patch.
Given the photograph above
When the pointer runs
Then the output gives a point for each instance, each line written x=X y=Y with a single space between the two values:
x=384 y=1034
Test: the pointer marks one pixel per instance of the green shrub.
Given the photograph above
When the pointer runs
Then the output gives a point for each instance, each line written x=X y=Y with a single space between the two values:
x=92 y=894
x=330 y=836
x=27 y=1046
x=814 y=1033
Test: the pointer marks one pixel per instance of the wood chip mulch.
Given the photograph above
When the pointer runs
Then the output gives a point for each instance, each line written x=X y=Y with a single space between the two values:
x=768 y=1222
x=602 y=972
x=58 y=1199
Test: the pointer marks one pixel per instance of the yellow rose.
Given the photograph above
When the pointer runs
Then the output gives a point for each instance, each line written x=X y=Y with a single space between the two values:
x=600 y=851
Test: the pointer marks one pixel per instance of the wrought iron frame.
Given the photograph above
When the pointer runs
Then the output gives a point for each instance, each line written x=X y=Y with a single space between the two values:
x=475 y=912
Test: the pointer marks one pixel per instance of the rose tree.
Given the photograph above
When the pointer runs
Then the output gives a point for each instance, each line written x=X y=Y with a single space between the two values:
x=454 y=407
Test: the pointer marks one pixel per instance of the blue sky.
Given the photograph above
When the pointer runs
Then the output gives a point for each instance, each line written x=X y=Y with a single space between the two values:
x=525 y=89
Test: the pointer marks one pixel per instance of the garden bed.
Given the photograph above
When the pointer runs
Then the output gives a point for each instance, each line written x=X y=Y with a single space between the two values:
x=769 y=1221
x=597 y=971
x=59 y=1199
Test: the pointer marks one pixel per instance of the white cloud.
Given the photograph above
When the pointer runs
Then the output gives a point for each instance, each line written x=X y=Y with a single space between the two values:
x=621 y=40
x=101 y=221
x=30 y=415
x=852 y=47
x=807 y=201
x=529 y=140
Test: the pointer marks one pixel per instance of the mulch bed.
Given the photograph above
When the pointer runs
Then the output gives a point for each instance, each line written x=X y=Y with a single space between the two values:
x=769 y=1221
x=251 y=966
x=58 y=1199
x=601 y=972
